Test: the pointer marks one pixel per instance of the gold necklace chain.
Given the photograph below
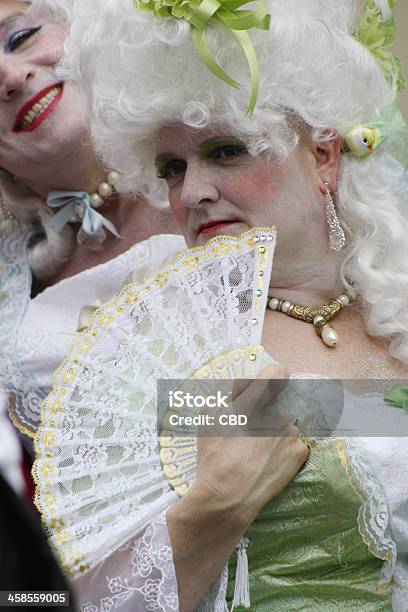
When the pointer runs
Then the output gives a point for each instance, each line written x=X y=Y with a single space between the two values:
x=319 y=316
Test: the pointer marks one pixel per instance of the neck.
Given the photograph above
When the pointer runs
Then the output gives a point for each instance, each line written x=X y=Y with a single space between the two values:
x=316 y=283
x=135 y=220
x=77 y=169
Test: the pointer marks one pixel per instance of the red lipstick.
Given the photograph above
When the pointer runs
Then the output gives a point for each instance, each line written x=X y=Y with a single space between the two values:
x=19 y=121
x=215 y=227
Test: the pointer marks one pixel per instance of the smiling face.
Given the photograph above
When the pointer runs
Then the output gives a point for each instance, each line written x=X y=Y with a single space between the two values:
x=41 y=118
x=217 y=187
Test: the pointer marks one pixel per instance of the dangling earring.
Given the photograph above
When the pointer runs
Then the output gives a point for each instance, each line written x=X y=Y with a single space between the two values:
x=337 y=239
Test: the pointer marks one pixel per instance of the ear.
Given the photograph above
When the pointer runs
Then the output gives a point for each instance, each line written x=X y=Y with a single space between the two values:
x=327 y=155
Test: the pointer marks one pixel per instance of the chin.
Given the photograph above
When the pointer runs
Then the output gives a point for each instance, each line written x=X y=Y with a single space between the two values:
x=58 y=140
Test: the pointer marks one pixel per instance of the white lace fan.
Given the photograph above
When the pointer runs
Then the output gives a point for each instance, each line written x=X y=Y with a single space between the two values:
x=98 y=470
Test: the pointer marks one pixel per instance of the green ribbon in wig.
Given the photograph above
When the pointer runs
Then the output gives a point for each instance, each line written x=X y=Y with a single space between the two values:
x=377 y=34
x=398 y=397
x=199 y=13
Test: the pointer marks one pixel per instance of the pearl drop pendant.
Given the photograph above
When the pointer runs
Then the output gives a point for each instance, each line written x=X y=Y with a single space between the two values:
x=329 y=336
x=318 y=315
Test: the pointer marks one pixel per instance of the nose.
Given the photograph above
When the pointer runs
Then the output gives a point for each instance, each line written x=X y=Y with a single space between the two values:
x=198 y=187
x=14 y=76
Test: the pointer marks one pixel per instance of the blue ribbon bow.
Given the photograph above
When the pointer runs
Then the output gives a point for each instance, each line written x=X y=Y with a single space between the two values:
x=92 y=220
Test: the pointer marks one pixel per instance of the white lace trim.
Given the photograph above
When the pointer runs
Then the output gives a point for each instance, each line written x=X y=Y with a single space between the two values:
x=373 y=517
x=373 y=522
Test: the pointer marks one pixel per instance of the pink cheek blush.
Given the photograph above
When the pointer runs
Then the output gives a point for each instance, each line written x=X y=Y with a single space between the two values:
x=253 y=187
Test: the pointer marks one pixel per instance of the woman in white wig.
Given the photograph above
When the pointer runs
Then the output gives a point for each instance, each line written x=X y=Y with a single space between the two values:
x=283 y=115
x=66 y=235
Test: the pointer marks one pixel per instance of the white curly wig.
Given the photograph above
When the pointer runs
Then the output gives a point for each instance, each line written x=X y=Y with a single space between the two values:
x=60 y=10
x=143 y=73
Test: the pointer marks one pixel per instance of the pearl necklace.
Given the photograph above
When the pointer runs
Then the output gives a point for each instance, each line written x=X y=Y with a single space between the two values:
x=318 y=315
x=80 y=207
x=105 y=189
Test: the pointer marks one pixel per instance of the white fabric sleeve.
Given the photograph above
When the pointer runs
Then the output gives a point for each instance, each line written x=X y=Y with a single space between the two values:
x=390 y=459
x=138 y=576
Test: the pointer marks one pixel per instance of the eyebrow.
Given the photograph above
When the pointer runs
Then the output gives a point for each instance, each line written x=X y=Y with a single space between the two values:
x=219 y=141
x=10 y=21
x=205 y=146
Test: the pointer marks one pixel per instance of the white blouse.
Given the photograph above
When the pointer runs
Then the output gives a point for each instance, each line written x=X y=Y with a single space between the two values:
x=52 y=318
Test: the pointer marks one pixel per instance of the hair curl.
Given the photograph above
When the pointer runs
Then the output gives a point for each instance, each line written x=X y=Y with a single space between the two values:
x=142 y=73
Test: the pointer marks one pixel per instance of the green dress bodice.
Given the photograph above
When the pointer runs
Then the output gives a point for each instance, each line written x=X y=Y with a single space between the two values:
x=305 y=548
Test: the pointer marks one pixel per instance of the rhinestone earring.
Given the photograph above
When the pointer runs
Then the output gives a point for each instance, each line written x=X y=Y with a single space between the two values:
x=337 y=238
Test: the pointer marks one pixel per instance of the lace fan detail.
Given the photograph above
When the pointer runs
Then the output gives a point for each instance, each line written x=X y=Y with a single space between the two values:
x=98 y=470
x=138 y=576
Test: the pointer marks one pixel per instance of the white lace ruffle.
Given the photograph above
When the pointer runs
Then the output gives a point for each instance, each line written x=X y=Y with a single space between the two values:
x=373 y=517
x=15 y=284
x=138 y=576
x=375 y=522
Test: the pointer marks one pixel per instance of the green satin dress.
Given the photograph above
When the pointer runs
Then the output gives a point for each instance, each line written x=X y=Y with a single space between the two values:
x=307 y=550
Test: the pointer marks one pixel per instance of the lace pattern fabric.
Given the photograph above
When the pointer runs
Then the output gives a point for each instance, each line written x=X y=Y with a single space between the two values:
x=15 y=285
x=97 y=445
x=138 y=576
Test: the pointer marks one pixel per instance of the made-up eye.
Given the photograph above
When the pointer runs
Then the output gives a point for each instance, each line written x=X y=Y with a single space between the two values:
x=16 y=39
x=171 y=168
